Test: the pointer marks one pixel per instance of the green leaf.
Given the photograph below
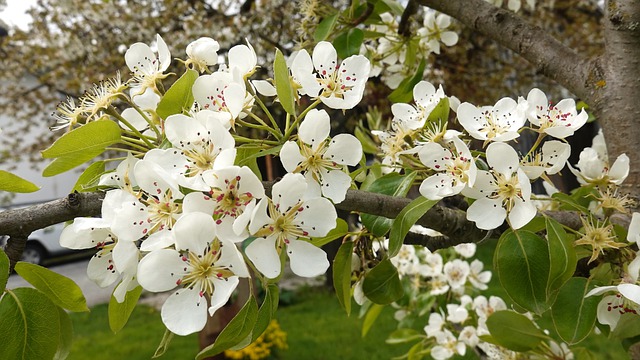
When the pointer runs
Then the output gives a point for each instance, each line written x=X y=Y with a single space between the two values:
x=341 y=229
x=368 y=146
x=63 y=291
x=90 y=176
x=348 y=42
x=245 y=155
x=236 y=331
x=521 y=260
x=392 y=184
x=179 y=97
x=164 y=344
x=405 y=220
x=325 y=27
x=4 y=270
x=562 y=255
x=402 y=336
x=66 y=163
x=283 y=84
x=30 y=324
x=342 y=275
x=440 y=113
x=14 y=183
x=404 y=92
x=91 y=137
x=382 y=284
x=514 y=331
x=266 y=312
x=573 y=314
x=119 y=312
x=66 y=335
x=370 y=318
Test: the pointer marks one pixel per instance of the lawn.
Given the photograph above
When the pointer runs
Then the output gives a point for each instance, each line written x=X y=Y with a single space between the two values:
x=316 y=326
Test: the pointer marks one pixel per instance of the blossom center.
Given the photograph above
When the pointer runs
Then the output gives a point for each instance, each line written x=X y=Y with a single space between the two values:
x=202 y=270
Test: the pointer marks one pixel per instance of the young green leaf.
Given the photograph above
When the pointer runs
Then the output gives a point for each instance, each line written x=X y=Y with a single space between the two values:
x=342 y=275
x=266 y=312
x=521 y=260
x=573 y=314
x=324 y=28
x=371 y=317
x=235 y=332
x=405 y=220
x=119 y=312
x=179 y=97
x=65 y=163
x=404 y=92
x=440 y=114
x=283 y=84
x=14 y=183
x=562 y=255
x=66 y=335
x=89 y=177
x=30 y=323
x=391 y=184
x=382 y=284
x=514 y=331
x=91 y=137
x=4 y=270
x=63 y=291
x=348 y=42
x=164 y=344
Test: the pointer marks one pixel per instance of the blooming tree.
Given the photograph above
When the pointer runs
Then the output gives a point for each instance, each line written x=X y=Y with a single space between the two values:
x=186 y=208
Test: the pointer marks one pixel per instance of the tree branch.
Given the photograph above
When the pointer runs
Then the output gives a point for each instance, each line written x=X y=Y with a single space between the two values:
x=534 y=44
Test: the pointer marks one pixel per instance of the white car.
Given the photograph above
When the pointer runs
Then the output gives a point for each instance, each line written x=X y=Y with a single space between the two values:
x=42 y=245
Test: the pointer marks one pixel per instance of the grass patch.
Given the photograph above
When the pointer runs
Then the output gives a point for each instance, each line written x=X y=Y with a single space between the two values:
x=316 y=326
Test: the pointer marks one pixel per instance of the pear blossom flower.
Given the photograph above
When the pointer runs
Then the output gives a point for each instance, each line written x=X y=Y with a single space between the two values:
x=200 y=143
x=283 y=223
x=447 y=346
x=147 y=100
x=222 y=93
x=456 y=272
x=204 y=268
x=426 y=97
x=466 y=250
x=438 y=284
x=67 y=115
x=593 y=165
x=502 y=193
x=469 y=336
x=231 y=199
x=203 y=53
x=550 y=159
x=242 y=61
x=457 y=314
x=560 y=120
x=498 y=123
x=123 y=176
x=115 y=260
x=321 y=159
x=153 y=212
x=478 y=278
x=146 y=65
x=435 y=324
x=435 y=31
x=455 y=170
x=406 y=261
x=337 y=86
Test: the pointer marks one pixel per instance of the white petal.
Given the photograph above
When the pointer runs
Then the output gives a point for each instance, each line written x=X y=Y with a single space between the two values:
x=163 y=53
x=302 y=71
x=289 y=190
x=185 y=312
x=335 y=184
x=158 y=240
x=434 y=156
x=135 y=57
x=263 y=254
x=521 y=214
x=630 y=291
x=194 y=231
x=127 y=284
x=307 y=260
x=315 y=128
x=634 y=228
x=502 y=158
x=160 y=269
x=449 y=38
x=620 y=169
x=290 y=156
x=134 y=118
x=125 y=257
x=437 y=187
x=243 y=58
x=197 y=202
x=264 y=88
x=324 y=57
x=344 y=149
x=222 y=292
x=181 y=129
x=472 y=119
x=487 y=213
x=606 y=316
x=101 y=269
x=259 y=216
x=601 y=290
x=317 y=217
x=234 y=96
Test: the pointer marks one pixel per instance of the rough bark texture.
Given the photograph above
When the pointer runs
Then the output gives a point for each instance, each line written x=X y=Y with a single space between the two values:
x=618 y=106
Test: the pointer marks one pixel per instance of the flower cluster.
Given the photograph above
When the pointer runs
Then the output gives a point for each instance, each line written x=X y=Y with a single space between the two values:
x=179 y=207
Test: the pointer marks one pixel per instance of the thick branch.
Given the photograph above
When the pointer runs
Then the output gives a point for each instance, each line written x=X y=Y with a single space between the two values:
x=534 y=44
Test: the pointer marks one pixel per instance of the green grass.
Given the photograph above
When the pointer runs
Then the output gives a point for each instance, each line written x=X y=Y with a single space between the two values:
x=316 y=326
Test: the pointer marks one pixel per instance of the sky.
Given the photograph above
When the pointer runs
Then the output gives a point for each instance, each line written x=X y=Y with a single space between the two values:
x=15 y=13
